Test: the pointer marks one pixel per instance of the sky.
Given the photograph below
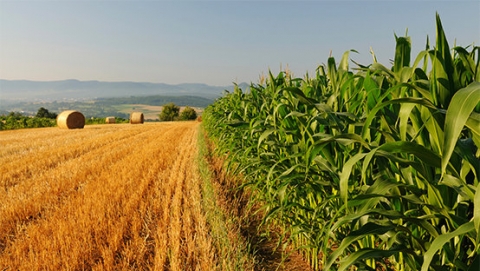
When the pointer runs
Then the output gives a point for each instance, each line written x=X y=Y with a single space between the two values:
x=213 y=42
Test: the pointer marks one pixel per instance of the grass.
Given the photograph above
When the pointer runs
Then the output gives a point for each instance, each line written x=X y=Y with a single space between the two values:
x=225 y=226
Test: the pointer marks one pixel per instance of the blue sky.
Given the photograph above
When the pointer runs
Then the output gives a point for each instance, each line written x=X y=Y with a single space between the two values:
x=212 y=42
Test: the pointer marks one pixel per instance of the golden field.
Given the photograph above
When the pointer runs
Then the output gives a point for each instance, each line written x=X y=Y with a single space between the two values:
x=106 y=197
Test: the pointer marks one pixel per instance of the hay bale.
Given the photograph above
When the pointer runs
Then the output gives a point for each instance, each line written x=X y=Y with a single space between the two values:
x=136 y=118
x=71 y=119
x=110 y=120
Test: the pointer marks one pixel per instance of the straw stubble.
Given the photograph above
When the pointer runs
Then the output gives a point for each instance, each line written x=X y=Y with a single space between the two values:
x=122 y=209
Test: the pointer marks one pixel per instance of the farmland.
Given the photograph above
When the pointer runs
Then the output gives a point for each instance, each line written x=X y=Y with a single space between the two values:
x=372 y=168
x=123 y=197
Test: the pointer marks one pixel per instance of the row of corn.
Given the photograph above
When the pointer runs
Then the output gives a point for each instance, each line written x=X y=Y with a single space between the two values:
x=372 y=169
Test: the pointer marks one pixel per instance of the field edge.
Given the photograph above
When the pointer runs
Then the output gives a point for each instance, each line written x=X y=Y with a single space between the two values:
x=231 y=247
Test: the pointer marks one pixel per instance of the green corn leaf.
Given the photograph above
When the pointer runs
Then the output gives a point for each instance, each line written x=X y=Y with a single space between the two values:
x=465 y=149
x=419 y=165
x=366 y=162
x=364 y=231
x=438 y=243
x=404 y=116
x=475 y=266
x=298 y=93
x=424 y=154
x=460 y=187
x=372 y=90
x=371 y=228
x=406 y=74
x=476 y=212
x=473 y=123
x=425 y=60
x=462 y=105
x=372 y=114
x=423 y=222
x=353 y=217
x=324 y=165
x=443 y=69
x=424 y=91
x=366 y=254
x=402 y=53
x=434 y=128
x=466 y=58
x=477 y=70
x=345 y=175
x=332 y=72
x=238 y=124
x=264 y=136
x=343 y=65
x=289 y=171
x=421 y=56
x=377 y=66
x=375 y=193
x=296 y=114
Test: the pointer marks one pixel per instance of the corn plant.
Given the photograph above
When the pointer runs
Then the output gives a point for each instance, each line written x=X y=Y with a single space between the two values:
x=377 y=168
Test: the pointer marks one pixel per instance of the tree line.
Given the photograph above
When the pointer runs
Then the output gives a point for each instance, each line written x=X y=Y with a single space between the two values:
x=16 y=120
x=45 y=118
x=171 y=112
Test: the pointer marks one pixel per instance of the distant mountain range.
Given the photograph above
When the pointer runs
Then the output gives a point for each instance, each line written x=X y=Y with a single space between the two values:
x=24 y=90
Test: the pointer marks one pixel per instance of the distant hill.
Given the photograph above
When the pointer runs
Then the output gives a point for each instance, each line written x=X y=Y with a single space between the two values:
x=24 y=90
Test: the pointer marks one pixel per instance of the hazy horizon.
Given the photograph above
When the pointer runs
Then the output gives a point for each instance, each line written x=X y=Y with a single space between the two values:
x=123 y=81
x=212 y=42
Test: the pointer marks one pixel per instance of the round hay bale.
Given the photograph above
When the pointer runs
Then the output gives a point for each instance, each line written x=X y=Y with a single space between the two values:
x=71 y=119
x=110 y=120
x=136 y=118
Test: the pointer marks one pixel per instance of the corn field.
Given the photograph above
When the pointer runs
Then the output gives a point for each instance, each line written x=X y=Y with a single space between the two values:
x=372 y=168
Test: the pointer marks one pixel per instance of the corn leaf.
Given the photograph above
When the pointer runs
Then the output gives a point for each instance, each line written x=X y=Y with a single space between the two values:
x=345 y=175
x=462 y=105
x=438 y=243
x=473 y=123
x=366 y=254
x=443 y=69
x=460 y=187
x=367 y=229
x=425 y=155
x=372 y=114
x=404 y=116
x=475 y=266
x=402 y=53
x=476 y=212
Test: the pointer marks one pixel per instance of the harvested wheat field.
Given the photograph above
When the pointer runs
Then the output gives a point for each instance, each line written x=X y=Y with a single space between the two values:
x=106 y=197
